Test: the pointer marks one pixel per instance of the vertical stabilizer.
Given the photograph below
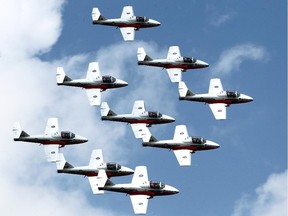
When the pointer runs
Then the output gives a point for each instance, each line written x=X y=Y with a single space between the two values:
x=18 y=132
x=61 y=163
x=105 y=110
x=183 y=90
x=96 y=15
x=142 y=56
x=98 y=181
x=61 y=76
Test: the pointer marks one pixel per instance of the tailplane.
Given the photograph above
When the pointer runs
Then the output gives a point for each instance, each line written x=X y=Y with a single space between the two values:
x=18 y=132
x=142 y=56
x=98 y=182
x=183 y=90
x=61 y=163
x=105 y=110
x=61 y=76
x=96 y=15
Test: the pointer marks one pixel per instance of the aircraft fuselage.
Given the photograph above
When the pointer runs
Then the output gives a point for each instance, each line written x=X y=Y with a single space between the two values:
x=164 y=63
x=121 y=23
x=132 y=119
x=86 y=84
x=140 y=190
x=217 y=99
x=187 y=145
x=46 y=140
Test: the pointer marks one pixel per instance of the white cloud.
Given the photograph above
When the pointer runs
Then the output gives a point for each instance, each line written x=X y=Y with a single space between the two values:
x=270 y=200
x=221 y=19
x=232 y=58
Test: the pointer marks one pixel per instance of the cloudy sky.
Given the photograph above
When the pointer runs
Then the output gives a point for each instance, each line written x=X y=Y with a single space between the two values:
x=245 y=44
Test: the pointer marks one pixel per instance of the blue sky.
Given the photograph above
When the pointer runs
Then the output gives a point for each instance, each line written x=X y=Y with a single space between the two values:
x=245 y=44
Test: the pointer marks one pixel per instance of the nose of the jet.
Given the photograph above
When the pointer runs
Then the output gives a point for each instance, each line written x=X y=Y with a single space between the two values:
x=249 y=98
x=213 y=145
x=169 y=118
x=172 y=189
x=154 y=22
x=127 y=170
x=83 y=139
x=202 y=63
x=122 y=83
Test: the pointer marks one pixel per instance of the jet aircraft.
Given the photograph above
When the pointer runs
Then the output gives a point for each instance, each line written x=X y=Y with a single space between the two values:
x=128 y=22
x=52 y=139
x=174 y=63
x=182 y=145
x=217 y=98
x=139 y=118
x=94 y=83
x=140 y=189
x=95 y=165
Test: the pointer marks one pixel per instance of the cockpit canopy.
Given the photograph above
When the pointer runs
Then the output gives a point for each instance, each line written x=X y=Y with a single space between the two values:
x=67 y=135
x=189 y=59
x=113 y=166
x=108 y=79
x=141 y=19
x=156 y=185
x=198 y=140
x=232 y=94
x=153 y=114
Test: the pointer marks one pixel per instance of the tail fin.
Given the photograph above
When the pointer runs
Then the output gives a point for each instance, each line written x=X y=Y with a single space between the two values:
x=18 y=132
x=142 y=56
x=105 y=110
x=183 y=90
x=61 y=163
x=61 y=76
x=96 y=15
x=99 y=181
x=147 y=136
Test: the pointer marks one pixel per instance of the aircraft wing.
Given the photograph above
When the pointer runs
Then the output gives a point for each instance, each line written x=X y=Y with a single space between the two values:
x=181 y=133
x=52 y=127
x=215 y=86
x=127 y=12
x=93 y=72
x=139 y=203
x=138 y=107
x=94 y=96
x=98 y=181
x=140 y=176
x=219 y=110
x=173 y=53
x=52 y=152
x=128 y=33
x=183 y=156
x=139 y=130
x=175 y=74
x=96 y=158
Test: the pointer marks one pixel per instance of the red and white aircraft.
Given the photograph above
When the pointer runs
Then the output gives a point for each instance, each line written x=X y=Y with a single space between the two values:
x=94 y=83
x=175 y=64
x=128 y=22
x=217 y=98
x=140 y=189
x=52 y=139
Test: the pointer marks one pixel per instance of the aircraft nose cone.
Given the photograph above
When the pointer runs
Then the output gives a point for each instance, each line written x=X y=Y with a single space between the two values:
x=169 y=118
x=155 y=23
x=212 y=145
x=202 y=63
x=122 y=83
x=127 y=170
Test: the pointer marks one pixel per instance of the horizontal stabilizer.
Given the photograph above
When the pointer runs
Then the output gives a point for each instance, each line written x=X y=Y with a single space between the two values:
x=61 y=163
x=105 y=110
x=142 y=56
x=96 y=15
x=61 y=76
x=183 y=90
x=18 y=132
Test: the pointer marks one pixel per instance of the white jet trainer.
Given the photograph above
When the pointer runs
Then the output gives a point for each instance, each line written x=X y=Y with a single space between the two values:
x=175 y=64
x=139 y=118
x=128 y=22
x=94 y=83
x=182 y=145
x=95 y=165
x=140 y=189
x=217 y=98
x=52 y=139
